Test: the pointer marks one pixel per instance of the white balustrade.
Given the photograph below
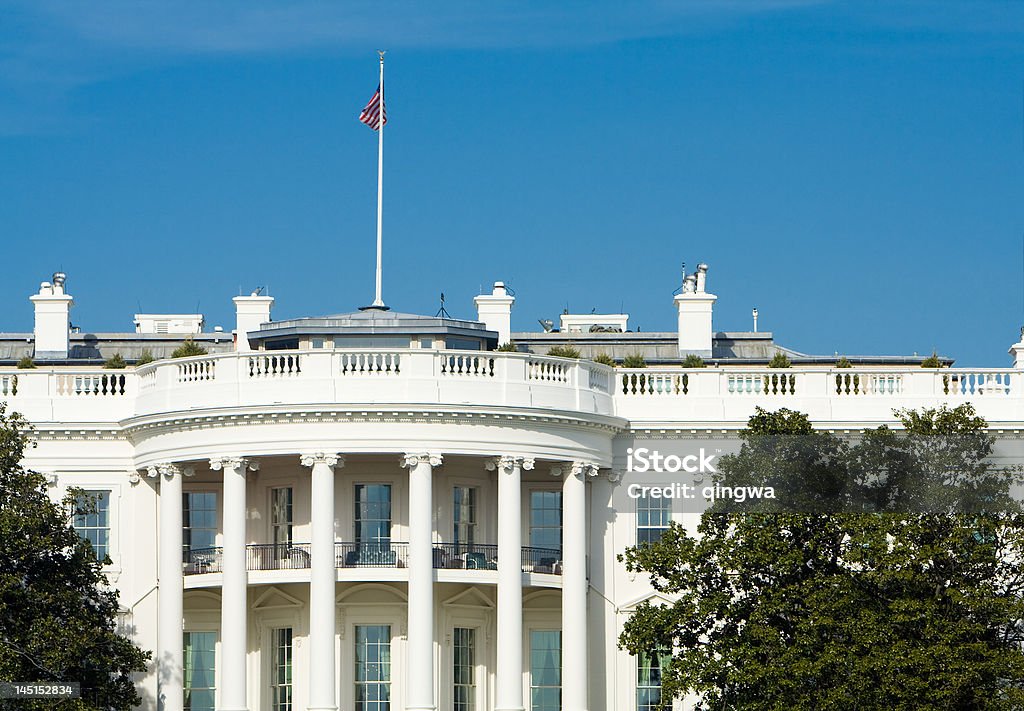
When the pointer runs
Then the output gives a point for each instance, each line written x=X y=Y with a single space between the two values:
x=369 y=363
x=550 y=370
x=8 y=385
x=267 y=365
x=89 y=384
x=468 y=364
x=863 y=382
x=195 y=371
x=600 y=378
x=966 y=383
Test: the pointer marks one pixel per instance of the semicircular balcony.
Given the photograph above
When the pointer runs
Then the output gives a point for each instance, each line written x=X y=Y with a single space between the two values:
x=376 y=561
x=359 y=376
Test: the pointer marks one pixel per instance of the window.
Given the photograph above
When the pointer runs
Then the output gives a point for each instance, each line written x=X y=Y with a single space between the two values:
x=545 y=670
x=464 y=669
x=653 y=516
x=288 y=344
x=199 y=515
x=92 y=520
x=318 y=343
x=373 y=668
x=372 y=342
x=426 y=343
x=546 y=519
x=648 y=680
x=373 y=513
x=281 y=670
x=462 y=344
x=281 y=518
x=464 y=515
x=199 y=671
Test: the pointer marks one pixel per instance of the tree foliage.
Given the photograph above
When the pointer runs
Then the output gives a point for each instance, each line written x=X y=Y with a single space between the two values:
x=188 y=349
x=566 y=351
x=892 y=581
x=57 y=616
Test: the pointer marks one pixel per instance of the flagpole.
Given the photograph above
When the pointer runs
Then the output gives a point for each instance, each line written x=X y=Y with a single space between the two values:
x=378 y=302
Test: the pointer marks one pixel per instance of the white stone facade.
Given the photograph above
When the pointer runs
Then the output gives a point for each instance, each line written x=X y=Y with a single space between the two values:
x=363 y=503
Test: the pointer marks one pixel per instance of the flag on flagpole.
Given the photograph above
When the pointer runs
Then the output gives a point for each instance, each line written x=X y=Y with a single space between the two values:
x=374 y=115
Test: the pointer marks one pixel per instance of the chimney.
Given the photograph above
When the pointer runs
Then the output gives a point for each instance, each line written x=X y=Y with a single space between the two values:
x=695 y=306
x=53 y=309
x=495 y=311
x=250 y=312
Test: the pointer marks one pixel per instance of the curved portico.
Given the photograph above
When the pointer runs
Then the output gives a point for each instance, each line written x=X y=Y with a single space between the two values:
x=481 y=438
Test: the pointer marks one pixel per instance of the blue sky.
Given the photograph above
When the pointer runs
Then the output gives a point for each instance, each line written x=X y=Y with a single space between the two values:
x=853 y=170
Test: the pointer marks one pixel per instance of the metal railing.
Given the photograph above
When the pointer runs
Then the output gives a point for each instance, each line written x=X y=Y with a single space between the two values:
x=376 y=554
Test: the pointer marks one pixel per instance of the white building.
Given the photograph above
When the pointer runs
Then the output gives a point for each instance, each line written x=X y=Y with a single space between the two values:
x=377 y=510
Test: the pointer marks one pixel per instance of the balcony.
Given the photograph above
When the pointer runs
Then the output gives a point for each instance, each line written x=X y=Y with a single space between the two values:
x=447 y=556
x=426 y=378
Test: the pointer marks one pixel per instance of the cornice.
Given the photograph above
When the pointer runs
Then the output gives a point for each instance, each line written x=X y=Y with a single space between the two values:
x=139 y=427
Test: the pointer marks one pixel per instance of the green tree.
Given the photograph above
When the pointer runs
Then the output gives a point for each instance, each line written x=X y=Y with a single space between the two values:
x=864 y=593
x=780 y=360
x=634 y=360
x=26 y=363
x=566 y=351
x=57 y=617
x=115 y=362
x=604 y=359
x=145 y=357
x=692 y=360
x=507 y=347
x=188 y=349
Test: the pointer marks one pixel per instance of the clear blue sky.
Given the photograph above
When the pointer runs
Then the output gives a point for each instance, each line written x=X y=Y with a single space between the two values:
x=854 y=170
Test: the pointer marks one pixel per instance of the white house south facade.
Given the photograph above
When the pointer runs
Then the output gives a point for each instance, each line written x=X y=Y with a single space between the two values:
x=374 y=511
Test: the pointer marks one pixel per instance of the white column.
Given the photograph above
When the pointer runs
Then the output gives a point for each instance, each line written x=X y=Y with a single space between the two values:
x=574 y=584
x=420 y=644
x=170 y=601
x=509 y=687
x=234 y=604
x=322 y=576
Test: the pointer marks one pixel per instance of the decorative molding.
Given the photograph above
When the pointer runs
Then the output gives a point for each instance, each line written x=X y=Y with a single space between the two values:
x=412 y=460
x=507 y=461
x=583 y=470
x=331 y=460
x=133 y=477
x=614 y=475
x=218 y=463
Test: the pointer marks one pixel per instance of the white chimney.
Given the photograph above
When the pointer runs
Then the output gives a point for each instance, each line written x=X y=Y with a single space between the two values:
x=250 y=312
x=695 y=306
x=494 y=310
x=53 y=310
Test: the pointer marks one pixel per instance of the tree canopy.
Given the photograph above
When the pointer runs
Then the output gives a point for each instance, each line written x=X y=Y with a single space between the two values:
x=886 y=575
x=58 y=618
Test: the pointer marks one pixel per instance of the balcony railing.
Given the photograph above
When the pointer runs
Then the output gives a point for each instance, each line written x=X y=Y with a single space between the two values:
x=377 y=554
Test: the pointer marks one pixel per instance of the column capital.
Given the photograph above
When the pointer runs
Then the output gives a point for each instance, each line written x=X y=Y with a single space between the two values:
x=508 y=461
x=167 y=470
x=412 y=459
x=218 y=463
x=578 y=469
x=328 y=458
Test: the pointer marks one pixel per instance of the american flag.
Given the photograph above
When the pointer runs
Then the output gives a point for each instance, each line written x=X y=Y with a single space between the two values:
x=374 y=115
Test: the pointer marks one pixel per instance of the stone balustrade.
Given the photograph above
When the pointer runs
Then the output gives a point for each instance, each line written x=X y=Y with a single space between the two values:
x=498 y=379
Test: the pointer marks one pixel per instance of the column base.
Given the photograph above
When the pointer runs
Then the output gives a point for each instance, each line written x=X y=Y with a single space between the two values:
x=232 y=708
x=420 y=708
x=321 y=708
x=509 y=708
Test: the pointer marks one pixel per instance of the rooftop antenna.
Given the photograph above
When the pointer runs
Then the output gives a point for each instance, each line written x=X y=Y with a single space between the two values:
x=442 y=312
x=682 y=268
x=754 y=314
x=259 y=290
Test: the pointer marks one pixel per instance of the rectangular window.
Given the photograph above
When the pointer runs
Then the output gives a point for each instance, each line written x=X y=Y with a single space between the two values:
x=464 y=668
x=281 y=670
x=92 y=520
x=546 y=519
x=648 y=680
x=200 y=684
x=318 y=343
x=281 y=519
x=653 y=516
x=462 y=344
x=464 y=515
x=199 y=516
x=545 y=670
x=373 y=513
x=372 y=342
x=373 y=668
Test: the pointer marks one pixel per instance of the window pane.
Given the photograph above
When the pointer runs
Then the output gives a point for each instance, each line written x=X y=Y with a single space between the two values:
x=373 y=513
x=92 y=520
x=546 y=519
x=281 y=673
x=464 y=668
x=199 y=682
x=653 y=516
x=373 y=668
x=199 y=520
x=648 y=680
x=545 y=670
